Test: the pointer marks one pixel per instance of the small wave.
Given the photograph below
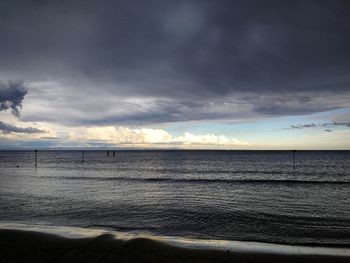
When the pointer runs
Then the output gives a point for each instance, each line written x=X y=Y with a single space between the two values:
x=121 y=228
x=197 y=180
x=229 y=171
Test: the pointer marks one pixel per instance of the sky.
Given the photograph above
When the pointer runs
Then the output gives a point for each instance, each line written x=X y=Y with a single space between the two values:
x=194 y=74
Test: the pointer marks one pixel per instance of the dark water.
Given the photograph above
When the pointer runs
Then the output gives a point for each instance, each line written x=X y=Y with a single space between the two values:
x=230 y=195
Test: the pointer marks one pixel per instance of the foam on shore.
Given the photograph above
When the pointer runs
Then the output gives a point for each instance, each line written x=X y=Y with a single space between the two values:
x=200 y=244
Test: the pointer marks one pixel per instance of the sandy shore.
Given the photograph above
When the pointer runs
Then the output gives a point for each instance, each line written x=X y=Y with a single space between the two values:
x=30 y=246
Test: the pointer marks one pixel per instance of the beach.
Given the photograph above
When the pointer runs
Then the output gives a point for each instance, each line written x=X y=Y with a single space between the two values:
x=18 y=245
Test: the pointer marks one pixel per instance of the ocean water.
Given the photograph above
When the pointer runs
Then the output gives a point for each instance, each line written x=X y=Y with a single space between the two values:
x=226 y=195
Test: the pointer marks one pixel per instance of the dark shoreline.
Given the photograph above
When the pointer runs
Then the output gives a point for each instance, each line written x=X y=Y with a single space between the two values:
x=34 y=246
x=304 y=244
x=165 y=150
x=75 y=231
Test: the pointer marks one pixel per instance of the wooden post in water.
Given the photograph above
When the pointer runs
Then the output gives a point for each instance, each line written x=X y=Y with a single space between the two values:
x=294 y=159
x=82 y=157
x=36 y=158
x=107 y=153
x=113 y=153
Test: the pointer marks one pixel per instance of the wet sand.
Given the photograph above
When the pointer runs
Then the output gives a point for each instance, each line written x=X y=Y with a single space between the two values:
x=30 y=246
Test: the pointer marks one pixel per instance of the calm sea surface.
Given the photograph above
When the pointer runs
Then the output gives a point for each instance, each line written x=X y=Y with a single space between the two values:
x=230 y=195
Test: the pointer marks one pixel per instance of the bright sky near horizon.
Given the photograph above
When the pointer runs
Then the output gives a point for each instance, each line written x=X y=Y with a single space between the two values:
x=194 y=74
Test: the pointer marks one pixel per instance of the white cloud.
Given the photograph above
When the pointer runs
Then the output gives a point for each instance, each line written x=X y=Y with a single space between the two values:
x=147 y=137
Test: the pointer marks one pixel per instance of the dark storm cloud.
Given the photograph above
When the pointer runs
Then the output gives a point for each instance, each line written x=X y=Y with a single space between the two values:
x=11 y=96
x=6 y=128
x=184 y=50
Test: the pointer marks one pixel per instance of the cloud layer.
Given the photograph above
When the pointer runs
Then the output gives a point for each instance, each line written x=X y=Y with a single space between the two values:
x=109 y=71
x=117 y=62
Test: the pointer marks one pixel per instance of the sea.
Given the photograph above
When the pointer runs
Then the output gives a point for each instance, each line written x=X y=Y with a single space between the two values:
x=281 y=197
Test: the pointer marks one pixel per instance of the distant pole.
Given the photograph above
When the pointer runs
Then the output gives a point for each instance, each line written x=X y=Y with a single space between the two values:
x=36 y=158
x=82 y=157
x=107 y=153
x=294 y=159
x=113 y=153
